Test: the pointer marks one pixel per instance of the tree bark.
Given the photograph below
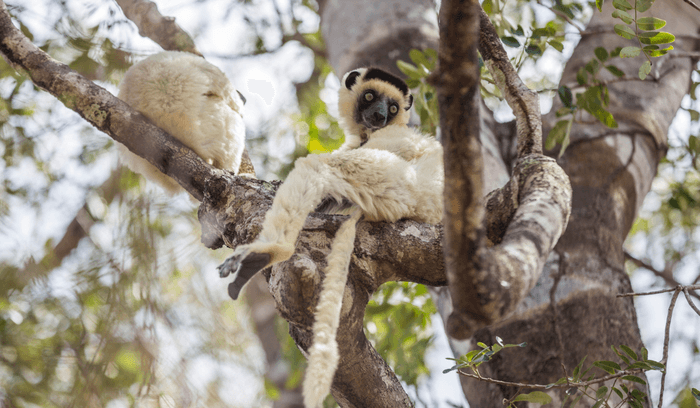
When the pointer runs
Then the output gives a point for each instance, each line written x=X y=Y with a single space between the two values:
x=573 y=311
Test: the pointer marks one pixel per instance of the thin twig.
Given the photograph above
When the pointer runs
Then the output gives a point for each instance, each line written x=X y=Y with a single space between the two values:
x=562 y=15
x=550 y=386
x=656 y=292
x=690 y=301
x=664 y=359
x=693 y=5
x=666 y=274
x=555 y=312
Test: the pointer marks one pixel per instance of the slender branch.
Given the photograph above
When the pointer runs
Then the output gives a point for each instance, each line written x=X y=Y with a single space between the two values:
x=561 y=15
x=550 y=386
x=524 y=101
x=690 y=301
x=161 y=29
x=667 y=333
x=666 y=274
x=656 y=292
x=693 y=5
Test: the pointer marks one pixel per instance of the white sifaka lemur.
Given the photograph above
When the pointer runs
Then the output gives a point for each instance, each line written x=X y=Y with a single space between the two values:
x=385 y=171
x=192 y=100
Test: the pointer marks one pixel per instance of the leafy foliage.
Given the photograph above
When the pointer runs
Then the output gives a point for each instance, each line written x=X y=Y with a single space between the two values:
x=398 y=323
x=425 y=98
x=580 y=383
x=648 y=39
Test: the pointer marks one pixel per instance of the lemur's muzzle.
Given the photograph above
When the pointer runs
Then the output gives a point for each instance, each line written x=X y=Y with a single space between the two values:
x=376 y=116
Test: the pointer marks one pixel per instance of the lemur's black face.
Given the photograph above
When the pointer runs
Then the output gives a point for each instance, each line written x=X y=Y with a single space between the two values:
x=375 y=110
x=381 y=96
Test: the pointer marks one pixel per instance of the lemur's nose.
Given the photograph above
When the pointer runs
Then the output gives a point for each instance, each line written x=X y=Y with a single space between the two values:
x=379 y=117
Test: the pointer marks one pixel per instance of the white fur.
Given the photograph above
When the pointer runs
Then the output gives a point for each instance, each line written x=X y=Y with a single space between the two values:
x=323 y=354
x=193 y=101
x=397 y=173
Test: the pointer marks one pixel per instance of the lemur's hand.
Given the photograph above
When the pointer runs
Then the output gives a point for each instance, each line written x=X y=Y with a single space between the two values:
x=247 y=260
x=244 y=264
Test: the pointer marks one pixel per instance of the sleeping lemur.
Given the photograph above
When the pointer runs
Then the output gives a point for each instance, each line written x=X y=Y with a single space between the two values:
x=386 y=170
x=193 y=101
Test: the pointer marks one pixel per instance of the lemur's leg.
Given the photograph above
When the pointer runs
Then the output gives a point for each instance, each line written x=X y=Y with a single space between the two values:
x=379 y=182
x=323 y=354
x=307 y=184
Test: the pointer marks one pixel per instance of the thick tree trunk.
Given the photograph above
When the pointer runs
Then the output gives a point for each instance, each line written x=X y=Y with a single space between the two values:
x=573 y=311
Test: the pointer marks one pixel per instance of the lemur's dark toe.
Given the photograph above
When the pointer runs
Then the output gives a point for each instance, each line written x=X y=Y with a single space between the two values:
x=228 y=267
x=247 y=268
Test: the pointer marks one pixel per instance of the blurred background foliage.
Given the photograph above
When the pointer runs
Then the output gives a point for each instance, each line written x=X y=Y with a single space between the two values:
x=107 y=298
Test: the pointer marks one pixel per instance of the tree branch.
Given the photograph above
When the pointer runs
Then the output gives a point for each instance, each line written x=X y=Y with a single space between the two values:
x=457 y=90
x=533 y=208
x=163 y=30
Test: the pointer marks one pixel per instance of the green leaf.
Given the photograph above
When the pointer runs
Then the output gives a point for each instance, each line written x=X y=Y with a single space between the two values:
x=599 y=5
x=559 y=382
x=418 y=58
x=623 y=15
x=601 y=391
x=412 y=83
x=657 y=52
x=409 y=70
x=608 y=366
x=629 y=352
x=565 y=96
x=533 y=49
x=641 y=365
x=634 y=378
x=556 y=45
x=694 y=115
x=656 y=37
x=644 y=70
x=630 y=52
x=557 y=135
x=487 y=5
x=643 y=5
x=582 y=76
x=511 y=41
x=598 y=404
x=601 y=53
x=624 y=31
x=622 y=356
x=696 y=393
x=618 y=392
x=650 y=23
x=538 y=397
x=615 y=71
x=622 y=5
x=482 y=345
x=519 y=31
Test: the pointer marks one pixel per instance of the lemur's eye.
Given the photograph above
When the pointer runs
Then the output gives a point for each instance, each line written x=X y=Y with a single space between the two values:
x=393 y=109
x=369 y=96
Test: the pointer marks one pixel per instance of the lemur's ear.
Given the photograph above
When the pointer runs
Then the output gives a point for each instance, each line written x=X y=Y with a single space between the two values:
x=351 y=78
x=410 y=102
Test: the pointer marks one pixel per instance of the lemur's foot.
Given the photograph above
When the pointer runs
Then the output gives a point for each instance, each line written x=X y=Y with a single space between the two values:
x=247 y=260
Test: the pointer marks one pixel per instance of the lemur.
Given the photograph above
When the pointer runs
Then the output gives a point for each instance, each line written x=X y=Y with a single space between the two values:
x=193 y=101
x=385 y=170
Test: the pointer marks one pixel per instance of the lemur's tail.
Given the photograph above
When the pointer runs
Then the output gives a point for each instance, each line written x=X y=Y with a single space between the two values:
x=323 y=354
